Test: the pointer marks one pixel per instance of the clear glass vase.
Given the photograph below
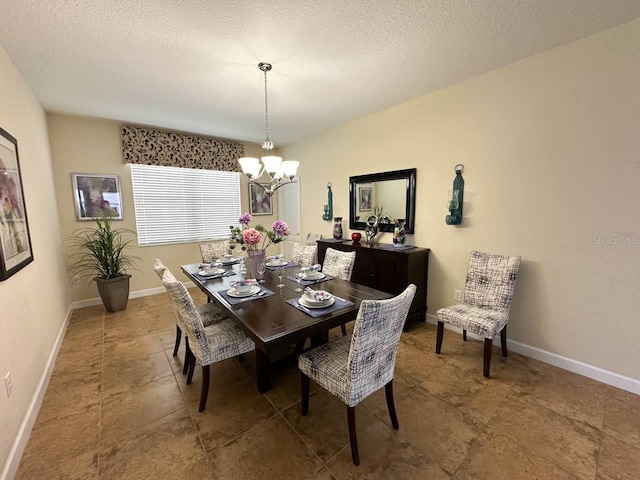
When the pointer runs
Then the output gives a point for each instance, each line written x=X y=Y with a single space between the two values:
x=254 y=258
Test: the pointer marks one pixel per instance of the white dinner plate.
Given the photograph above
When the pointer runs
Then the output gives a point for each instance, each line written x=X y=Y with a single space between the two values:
x=317 y=276
x=217 y=271
x=274 y=263
x=228 y=262
x=324 y=304
x=232 y=292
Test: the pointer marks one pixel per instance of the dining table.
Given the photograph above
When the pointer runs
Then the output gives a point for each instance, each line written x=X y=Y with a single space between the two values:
x=273 y=316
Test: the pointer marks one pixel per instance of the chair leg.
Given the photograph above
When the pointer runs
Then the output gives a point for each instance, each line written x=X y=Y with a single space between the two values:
x=187 y=356
x=439 y=335
x=178 y=337
x=503 y=341
x=305 y=394
x=353 y=439
x=205 y=387
x=344 y=330
x=299 y=348
x=464 y=335
x=488 y=344
x=192 y=367
x=388 y=390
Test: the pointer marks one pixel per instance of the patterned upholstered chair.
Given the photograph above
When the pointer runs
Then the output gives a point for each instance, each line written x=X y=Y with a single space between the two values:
x=213 y=250
x=487 y=298
x=305 y=255
x=355 y=366
x=312 y=238
x=339 y=264
x=219 y=340
x=209 y=312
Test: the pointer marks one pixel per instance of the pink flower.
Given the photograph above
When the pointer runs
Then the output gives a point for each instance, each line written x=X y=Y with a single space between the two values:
x=251 y=236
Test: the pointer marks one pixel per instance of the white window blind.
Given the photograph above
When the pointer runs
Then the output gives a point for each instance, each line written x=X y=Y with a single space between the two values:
x=180 y=205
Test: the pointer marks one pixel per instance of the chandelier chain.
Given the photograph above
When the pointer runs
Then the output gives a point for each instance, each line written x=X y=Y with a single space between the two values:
x=267 y=144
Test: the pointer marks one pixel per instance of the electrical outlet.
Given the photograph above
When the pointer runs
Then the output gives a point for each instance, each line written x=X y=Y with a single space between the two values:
x=8 y=384
x=457 y=295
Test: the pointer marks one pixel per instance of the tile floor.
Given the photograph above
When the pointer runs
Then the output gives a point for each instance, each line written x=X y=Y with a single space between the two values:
x=117 y=407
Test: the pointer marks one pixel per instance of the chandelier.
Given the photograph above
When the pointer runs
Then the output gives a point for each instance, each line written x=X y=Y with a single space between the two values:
x=279 y=172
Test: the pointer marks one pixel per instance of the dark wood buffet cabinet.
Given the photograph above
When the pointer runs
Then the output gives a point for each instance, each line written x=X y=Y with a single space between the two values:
x=386 y=268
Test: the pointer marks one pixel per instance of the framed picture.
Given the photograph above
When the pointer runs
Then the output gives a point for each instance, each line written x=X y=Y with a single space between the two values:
x=97 y=195
x=364 y=196
x=259 y=201
x=15 y=242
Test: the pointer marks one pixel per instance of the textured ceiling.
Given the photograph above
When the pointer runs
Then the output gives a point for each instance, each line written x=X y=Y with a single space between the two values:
x=191 y=65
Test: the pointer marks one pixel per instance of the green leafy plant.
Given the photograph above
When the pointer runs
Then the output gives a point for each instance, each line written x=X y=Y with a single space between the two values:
x=101 y=251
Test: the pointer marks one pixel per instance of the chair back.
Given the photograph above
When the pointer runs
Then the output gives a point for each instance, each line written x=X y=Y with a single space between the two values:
x=312 y=238
x=305 y=255
x=162 y=271
x=374 y=342
x=338 y=264
x=491 y=280
x=213 y=250
x=189 y=317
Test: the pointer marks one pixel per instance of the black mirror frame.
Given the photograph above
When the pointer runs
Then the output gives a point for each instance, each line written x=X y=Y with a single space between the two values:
x=409 y=175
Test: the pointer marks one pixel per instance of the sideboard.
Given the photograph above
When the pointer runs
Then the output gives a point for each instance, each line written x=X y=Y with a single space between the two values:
x=387 y=268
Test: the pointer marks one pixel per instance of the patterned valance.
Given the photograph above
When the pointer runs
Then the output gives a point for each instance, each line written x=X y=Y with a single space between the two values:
x=170 y=149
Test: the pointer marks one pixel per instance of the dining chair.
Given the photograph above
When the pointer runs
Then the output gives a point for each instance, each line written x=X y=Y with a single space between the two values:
x=312 y=238
x=209 y=312
x=488 y=293
x=219 y=340
x=339 y=264
x=355 y=366
x=213 y=250
x=305 y=255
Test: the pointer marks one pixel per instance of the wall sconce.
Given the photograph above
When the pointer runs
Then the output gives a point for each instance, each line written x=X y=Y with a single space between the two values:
x=328 y=208
x=456 y=198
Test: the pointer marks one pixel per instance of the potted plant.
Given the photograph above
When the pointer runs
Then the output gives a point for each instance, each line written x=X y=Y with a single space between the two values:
x=101 y=256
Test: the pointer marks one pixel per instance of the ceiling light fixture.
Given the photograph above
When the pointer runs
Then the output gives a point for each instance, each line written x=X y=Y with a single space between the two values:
x=280 y=172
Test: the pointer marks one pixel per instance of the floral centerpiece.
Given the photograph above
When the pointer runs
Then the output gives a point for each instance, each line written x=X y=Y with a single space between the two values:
x=255 y=240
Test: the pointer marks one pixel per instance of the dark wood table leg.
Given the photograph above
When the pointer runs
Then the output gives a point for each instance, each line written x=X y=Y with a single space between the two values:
x=263 y=371
x=319 y=339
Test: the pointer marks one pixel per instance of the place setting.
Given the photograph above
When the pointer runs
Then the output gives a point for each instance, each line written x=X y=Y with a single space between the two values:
x=318 y=302
x=309 y=275
x=277 y=261
x=244 y=291
x=228 y=259
x=212 y=270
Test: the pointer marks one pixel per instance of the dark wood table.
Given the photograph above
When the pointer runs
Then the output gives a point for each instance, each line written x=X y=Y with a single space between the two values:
x=272 y=323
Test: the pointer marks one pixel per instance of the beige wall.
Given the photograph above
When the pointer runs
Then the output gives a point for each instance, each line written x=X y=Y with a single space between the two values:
x=33 y=302
x=550 y=148
x=90 y=145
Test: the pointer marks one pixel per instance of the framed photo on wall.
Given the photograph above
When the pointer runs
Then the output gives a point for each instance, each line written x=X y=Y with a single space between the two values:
x=15 y=242
x=259 y=201
x=97 y=195
x=364 y=196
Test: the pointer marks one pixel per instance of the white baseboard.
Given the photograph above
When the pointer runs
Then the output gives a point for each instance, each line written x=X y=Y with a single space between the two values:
x=610 y=378
x=137 y=294
x=24 y=432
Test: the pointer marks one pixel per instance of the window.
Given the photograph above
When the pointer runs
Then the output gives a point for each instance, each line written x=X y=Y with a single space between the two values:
x=179 y=205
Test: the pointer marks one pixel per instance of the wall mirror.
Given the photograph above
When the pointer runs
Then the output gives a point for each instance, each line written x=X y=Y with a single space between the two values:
x=394 y=192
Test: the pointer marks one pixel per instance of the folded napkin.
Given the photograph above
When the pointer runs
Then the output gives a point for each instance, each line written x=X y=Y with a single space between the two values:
x=243 y=281
x=317 y=295
x=312 y=268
